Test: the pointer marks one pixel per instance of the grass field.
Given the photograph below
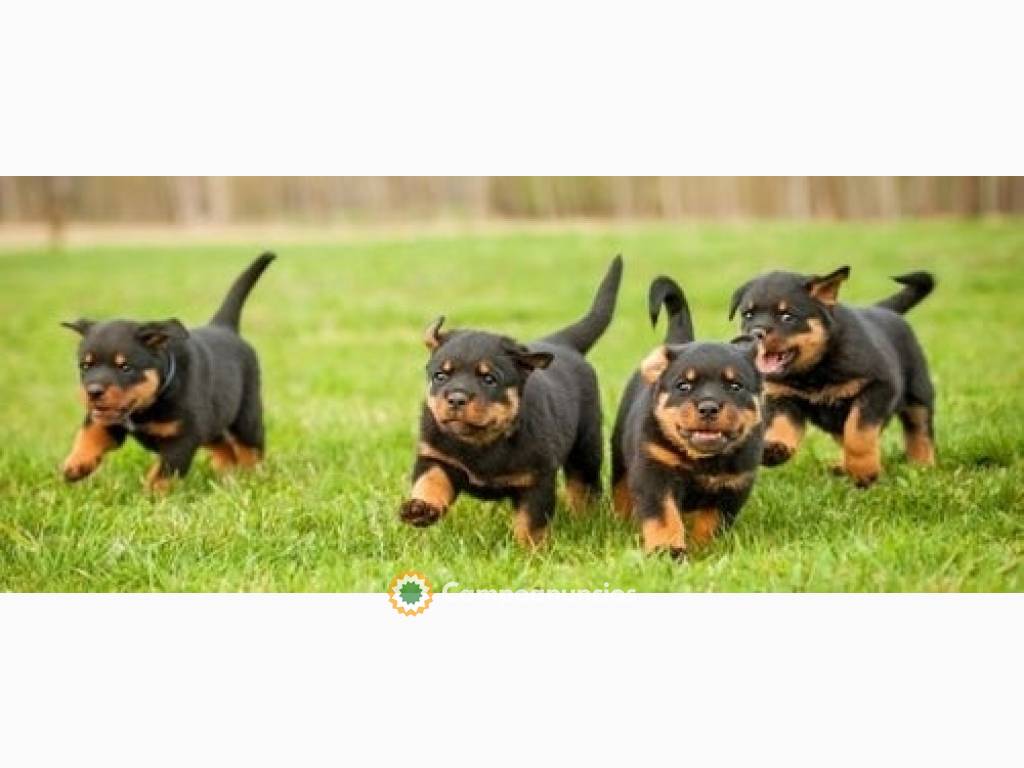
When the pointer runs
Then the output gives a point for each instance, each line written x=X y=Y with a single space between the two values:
x=339 y=328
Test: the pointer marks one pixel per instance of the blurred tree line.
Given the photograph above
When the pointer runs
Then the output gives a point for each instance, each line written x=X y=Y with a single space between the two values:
x=192 y=200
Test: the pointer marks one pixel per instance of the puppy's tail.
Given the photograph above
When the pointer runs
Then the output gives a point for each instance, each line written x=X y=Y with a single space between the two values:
x=917 y=285
x=582 y=334
x=230 y=312
x=666 y=292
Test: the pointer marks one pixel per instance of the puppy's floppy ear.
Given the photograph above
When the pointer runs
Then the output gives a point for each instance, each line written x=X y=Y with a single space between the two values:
x=159 y=333
x=737 y=297
x=748 y=345
x=825 y=288
x=531 y=361
x=433 y=337
x=80 y=326
x=655 y=363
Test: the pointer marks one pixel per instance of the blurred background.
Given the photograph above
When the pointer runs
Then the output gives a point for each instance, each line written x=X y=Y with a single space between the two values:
x=51 y=204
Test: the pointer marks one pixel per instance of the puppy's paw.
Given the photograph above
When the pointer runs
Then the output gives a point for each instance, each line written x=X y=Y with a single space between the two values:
x=864 y=481
x=678 y=554
x=419 y=513
x=75 y=469
x=774 y=454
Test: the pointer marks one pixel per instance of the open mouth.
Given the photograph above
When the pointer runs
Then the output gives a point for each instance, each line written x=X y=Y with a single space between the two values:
x=774 y=363
x=105 y=414
x=707 y=439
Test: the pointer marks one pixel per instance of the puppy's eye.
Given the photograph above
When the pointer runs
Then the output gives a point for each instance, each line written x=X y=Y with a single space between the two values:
x=125 y=368
x=489 y=379
x=684 y=386
x=440 y=377
x=85 y=365
x=734 y=386
x=787 y=317
x=748 y=315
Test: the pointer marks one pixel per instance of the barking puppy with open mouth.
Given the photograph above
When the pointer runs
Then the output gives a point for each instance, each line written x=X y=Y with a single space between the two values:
x=501 y=418
x=172 y=389
x=847 y=370
x=688 y=436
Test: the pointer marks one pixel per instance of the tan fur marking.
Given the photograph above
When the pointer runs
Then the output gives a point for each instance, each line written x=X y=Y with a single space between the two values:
x=494 y=420
x=91 y=442
x=663 y=455
x=622 y=499
x=89 y=358
x=246 y=455
x=483 y=368
x=666 y=532
x=652 y=366
x=120 y=359
x=691 y=374
x=161 y=429
x=785 y=431
x=729 y=374
x=447 y=366
x=222 y=455
x=155 y=482
x=434 y=488
x=783 y=306
x=578 y=496
x=919 y=446
x=703 y=525
x=862 y=456
x=512 y=480
x=827 y=395
x=528 y=536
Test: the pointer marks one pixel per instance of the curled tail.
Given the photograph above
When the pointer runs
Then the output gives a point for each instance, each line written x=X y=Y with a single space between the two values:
x=582 y=334
x=917 y=286
x=665 y=291
x=230 y=311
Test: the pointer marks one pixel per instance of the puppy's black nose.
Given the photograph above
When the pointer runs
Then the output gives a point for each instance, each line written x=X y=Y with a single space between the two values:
x=457 y=398
x=94 y=390
x=708 y=409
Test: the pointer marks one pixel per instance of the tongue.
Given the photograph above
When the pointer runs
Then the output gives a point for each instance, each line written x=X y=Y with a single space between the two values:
x=770 y=363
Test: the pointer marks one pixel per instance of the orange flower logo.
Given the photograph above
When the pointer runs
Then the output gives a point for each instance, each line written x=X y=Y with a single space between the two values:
x=410 y=593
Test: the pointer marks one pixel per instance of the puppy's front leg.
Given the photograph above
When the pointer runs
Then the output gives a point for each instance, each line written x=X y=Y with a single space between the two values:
x=535 y=507
x=660 y=522
x=784 y=433
x=91 y=441
x=175 y=458
x=433 y=491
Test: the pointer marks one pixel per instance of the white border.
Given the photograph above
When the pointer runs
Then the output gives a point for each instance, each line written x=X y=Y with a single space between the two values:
x=511 y=680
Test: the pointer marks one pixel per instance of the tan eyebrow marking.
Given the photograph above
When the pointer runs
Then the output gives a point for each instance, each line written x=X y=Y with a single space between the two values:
x=447 y=366
x=691 y=374
x=483 y=368
x=120 y=359
x=783 y=306
x=88 y=358
x=729 y=374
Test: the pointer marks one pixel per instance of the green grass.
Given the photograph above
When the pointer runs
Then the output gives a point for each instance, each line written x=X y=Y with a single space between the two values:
x=339 y=328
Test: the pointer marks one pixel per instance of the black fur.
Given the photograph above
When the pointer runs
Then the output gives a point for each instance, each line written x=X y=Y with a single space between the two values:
x=175 y=390
x=867 y=358
x=481 y=444
x=716 y=476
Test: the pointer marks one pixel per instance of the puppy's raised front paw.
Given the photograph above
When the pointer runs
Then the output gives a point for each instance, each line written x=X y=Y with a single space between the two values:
x=419 y=513
x=75 y=469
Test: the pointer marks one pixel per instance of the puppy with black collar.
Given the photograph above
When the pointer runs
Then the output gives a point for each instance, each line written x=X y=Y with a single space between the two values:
x=172 y=389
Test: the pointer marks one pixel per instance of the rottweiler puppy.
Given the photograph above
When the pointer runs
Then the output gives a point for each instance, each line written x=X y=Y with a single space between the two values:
x=501 y=418
x=172 y=389
x=688 y=436
x=847 y=370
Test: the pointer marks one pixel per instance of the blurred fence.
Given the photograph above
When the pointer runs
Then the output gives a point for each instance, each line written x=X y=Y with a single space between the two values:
x=189 y=200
